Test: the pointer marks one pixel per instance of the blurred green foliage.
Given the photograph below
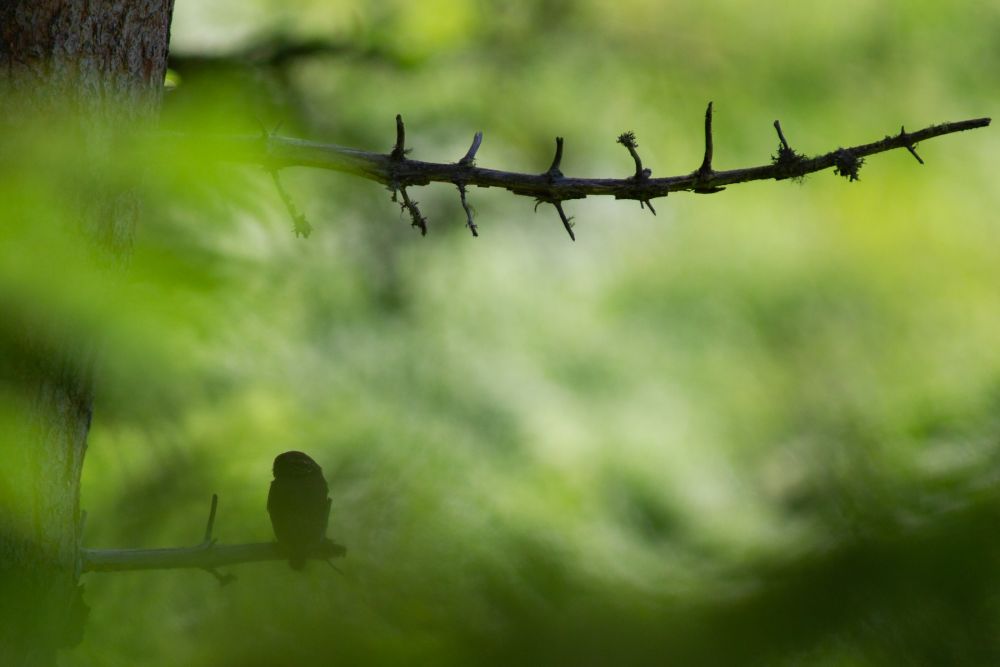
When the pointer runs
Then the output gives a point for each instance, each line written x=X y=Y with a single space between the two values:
x=761 y=427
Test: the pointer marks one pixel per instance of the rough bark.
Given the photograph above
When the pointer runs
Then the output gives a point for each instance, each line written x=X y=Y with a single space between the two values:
x=88 y=69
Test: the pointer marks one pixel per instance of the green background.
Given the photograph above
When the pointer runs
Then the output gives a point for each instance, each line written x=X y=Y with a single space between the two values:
x=760 y=427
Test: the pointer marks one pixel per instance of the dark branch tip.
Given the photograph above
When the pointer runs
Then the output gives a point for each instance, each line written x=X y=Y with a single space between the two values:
x=910 y=146
x=705 y=170
x=399 y=150
x=210 y=525
x=554 y=172
x=557 y=203
x=470 y=156
x=416 y=217
x=781 y=135
x=468 y=210
x=567 y=221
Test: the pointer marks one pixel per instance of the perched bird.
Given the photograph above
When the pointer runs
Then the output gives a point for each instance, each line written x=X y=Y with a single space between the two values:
x=298 y=505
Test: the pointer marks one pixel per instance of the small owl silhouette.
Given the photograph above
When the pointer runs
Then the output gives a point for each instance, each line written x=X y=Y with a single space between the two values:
x=298 y=505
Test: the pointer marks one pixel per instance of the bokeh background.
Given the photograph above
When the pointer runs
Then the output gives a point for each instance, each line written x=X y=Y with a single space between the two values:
x=762 y=427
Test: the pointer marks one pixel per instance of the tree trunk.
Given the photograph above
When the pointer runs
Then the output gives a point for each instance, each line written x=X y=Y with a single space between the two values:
x=87 y=69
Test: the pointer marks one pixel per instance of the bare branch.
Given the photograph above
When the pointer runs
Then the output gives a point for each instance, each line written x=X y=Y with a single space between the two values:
x=289 y=152
x=399 y=172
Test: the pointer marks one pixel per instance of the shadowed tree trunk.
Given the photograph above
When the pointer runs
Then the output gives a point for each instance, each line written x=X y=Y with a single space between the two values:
x=86 y=70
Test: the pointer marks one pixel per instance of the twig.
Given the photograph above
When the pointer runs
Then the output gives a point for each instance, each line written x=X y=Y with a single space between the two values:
x=553 y=173
x=398 y=156
x=410 y=206
x=627 y=139
x=705 y=170
x=567 y=224
x=552 y=176
x=470 y=155
x=781 y=137
x=468 y=211
x=566 y=221
x=300 y=225
x=787 y=161
x=468 y=160
x=909 y=145
x=399 y=150
x=552 y=186
x=211 y=520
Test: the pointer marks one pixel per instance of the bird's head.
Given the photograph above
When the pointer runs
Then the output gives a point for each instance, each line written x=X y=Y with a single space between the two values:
x=294 y=464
